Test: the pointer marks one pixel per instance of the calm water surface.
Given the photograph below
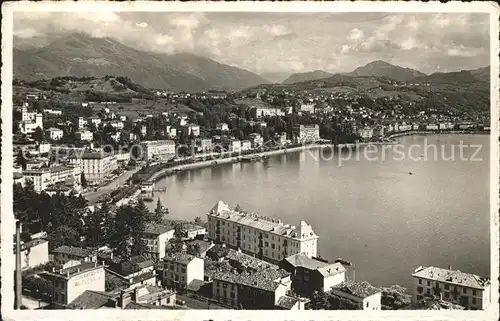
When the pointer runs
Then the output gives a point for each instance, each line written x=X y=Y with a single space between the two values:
x=370 y=212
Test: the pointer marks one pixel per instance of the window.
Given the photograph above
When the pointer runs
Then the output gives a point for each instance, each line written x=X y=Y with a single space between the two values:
x=232 y=286
x=63 y=297
x=446 y=286
x=232 y=295
x=474 y=292
x=428 y=291
x=447 y=295
x=224 y=285
x=465 y=290
x=419 y=281
x=428 y=283
x=367 y=304
x=56 y=295
x=272 y=246
x=473 y=300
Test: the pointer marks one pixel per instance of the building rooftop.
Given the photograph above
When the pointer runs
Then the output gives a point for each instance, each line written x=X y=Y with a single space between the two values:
x=157 y=229
x=331 y=269
x=359 y=289
x=268 y=280
x=91 y=300
x=30 y=244
x=302 y=260
x=287 y=302
x=73 y=251
x=58 y=188
x=77 y=269
x=272 y=225
x=182 y=258
x=145 y=306
x=452 y=277
x=247 y=261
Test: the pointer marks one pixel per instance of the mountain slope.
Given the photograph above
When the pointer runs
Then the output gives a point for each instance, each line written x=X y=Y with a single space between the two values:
x=457 y=78
x=381 y=68
x=275 y=77
x=481 y=73
x=218 y=75
x=306 y=76
x=80 y=55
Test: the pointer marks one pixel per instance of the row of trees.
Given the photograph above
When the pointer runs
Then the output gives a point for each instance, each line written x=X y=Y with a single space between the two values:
x=69 y=221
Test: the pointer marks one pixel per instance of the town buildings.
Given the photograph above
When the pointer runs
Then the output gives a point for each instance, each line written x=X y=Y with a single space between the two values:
x=180 y=269
x=268 y=238
x=260 y=112
x=310 y=274
x=97 y=166
x=466 y=289
x=306 y=133
x=65 y=253
x=55 y=133
x=158 y=149
x=69 y=283
x=361 y=294
x=156 y=237
x=85 y=135
x=43 y=177
x=309 y=108
x=256 y=291
x=34 y=252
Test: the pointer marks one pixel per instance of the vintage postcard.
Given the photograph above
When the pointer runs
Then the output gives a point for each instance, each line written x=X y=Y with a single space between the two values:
x=240 y=160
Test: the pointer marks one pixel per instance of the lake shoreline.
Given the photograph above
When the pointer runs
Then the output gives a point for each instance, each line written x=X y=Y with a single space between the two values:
x=215 y=161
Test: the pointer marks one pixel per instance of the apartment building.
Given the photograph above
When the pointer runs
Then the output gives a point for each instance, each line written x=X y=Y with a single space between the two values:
x=259 y=112
x=308 y=108
x=232 y=145
x=34 y=253
x=180 y=269
x=310 y=274
x=96 y=166
x=30 y=125
x=65 y=253
x=256 y=139
x=466 y=289
x=55 y=133
x=69 y=283
x=257 y=291
x=94 y=120
x=306 y=133
x=361 y=294
x=156 y=237
x=202 y=145
x=268 y=238
x=222 y=127
x=158 y=149
x=364 y=132
x=84 y=135
x=246 y=145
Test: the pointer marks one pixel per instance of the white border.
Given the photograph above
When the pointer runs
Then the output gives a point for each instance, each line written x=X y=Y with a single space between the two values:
x=7 y=228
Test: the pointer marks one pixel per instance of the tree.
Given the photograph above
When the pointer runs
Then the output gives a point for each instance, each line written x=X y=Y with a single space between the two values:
x=198 y=221
x=38 y=135
x=158 y=214
x=64 y=235
x=83 y=180
x=20 y=159
x=94 y=228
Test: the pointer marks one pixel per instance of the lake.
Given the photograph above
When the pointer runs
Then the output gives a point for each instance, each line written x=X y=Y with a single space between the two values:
x=385 y=214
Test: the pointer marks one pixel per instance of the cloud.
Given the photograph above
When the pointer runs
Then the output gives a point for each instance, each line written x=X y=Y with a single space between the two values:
x=284 y=42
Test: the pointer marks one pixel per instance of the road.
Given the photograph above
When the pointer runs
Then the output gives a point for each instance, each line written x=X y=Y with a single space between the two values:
x=92 y=197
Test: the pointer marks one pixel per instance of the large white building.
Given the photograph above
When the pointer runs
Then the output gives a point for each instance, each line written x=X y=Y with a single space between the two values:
x=306 y=133
x=55 y=133
x=96 y=166
x=180 y=269
x=85 y=135
x=30 y=121
x=160 y=149
x=269 y=238
x=47 y=176
x=156 y=237
x=466 y=289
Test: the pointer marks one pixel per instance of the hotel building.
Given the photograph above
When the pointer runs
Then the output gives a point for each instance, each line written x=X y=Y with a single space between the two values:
x=306 y=133
x=466 y=289
x=180 y=269
x=96 y=165
x=161 y=149
x=269 y=238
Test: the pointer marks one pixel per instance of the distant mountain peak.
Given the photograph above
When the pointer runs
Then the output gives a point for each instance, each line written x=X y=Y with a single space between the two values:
x=306 y=76
x=380 y=68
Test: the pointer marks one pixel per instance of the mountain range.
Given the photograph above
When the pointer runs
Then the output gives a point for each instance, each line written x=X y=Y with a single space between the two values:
x=81 y=55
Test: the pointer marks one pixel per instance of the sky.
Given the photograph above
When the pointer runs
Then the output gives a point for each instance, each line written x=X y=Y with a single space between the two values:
x=284 y=42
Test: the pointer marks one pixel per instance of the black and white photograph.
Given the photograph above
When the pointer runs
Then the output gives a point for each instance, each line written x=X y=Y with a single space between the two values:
x=219 y=157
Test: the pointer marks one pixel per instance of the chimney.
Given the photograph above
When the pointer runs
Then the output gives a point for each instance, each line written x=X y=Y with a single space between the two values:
x=18 y=281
